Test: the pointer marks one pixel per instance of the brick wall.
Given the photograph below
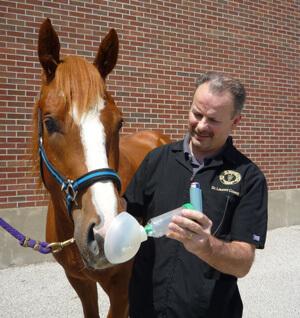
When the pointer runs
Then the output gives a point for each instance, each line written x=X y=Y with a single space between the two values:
x=164 y=45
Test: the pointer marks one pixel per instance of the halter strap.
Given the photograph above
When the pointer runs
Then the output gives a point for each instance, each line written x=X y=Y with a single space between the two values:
x=72 y=187
x=96 y=175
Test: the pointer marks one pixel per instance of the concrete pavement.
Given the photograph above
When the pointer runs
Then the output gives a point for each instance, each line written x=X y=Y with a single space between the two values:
x=270 y=290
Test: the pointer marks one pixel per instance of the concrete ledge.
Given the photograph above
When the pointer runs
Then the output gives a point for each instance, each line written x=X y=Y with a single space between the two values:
x=31 y=222
x=284 y=208
x=283 y=211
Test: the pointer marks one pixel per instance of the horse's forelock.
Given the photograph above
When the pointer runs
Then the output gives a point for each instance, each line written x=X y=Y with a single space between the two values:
x=80 y=83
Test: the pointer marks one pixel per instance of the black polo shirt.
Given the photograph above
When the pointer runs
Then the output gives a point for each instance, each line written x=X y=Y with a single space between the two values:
x=169 y=281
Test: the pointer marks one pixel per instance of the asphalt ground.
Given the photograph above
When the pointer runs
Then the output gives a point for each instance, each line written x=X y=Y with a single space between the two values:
x=270 y=290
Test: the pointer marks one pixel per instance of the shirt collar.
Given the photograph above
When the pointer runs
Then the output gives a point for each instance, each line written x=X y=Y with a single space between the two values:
x=222 y=152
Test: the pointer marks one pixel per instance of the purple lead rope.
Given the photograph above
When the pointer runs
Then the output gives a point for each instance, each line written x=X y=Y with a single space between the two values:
x=25 y=241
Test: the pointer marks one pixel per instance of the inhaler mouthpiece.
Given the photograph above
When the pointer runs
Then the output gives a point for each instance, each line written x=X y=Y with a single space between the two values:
x=123 y=238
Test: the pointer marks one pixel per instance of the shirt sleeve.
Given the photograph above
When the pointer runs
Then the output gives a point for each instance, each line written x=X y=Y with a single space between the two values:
x=134 y=194
x=249 y=223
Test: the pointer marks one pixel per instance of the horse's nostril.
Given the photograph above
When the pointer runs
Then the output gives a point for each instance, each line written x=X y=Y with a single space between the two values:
x=100 y=241
x=95 y=242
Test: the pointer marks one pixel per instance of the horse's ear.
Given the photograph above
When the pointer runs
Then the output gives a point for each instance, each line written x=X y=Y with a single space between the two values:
x=48 y=49
x=107 y=56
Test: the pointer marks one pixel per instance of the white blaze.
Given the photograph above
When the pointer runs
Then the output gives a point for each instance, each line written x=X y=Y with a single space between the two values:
x=94 y=144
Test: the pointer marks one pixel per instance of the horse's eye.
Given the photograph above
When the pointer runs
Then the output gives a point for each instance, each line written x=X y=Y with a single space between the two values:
x=51 y=126
x=121 y=124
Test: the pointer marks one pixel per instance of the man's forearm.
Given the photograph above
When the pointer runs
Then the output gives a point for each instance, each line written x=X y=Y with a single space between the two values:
x=194 y=231
x=233 y=258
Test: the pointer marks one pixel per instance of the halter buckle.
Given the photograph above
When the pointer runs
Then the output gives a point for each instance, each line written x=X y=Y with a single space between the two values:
x=68 y=187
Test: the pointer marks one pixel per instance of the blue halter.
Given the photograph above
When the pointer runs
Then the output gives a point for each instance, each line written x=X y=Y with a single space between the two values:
x=71 y=187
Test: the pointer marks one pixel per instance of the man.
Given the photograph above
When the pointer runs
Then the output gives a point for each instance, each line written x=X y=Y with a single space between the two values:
x=193 y=271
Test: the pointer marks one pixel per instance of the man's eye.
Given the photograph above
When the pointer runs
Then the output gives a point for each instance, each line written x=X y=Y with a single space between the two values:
x=198 y=115
x=51 y=126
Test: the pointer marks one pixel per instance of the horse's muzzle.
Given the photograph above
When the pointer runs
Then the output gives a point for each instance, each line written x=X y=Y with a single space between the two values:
x=92 y=249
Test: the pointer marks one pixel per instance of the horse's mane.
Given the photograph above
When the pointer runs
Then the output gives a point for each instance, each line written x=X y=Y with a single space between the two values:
x=80 y=84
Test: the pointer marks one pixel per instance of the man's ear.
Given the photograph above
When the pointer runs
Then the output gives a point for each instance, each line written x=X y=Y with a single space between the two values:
x=236 y=121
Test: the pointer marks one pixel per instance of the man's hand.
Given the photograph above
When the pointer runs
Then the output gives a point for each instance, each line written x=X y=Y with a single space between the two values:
x=193 y=229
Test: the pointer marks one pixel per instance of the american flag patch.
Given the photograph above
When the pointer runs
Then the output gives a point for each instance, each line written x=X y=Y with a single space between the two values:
x=256 y=238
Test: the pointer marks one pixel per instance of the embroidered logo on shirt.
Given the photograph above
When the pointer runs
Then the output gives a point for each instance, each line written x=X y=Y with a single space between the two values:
x=230 y=177
x=225 y=190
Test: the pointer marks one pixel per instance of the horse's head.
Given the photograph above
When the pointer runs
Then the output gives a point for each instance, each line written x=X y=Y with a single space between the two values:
x=80 y=123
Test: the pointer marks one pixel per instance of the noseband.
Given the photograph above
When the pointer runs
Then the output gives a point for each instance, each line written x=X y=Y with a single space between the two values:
x=71 y=187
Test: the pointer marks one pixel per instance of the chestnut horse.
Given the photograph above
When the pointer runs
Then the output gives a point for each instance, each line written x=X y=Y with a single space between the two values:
x=77 y=136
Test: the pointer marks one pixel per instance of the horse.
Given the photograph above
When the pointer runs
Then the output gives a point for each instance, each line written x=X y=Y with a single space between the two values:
x=85 y=164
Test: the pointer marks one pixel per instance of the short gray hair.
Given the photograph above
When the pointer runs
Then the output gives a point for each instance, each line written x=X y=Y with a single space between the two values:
x=220 y=83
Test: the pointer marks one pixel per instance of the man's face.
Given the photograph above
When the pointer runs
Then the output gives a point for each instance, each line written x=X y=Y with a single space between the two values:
x=210 y=121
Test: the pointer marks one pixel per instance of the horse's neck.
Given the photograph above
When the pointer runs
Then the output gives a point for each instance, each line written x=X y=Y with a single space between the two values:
x=59 y=225
x=126 y=169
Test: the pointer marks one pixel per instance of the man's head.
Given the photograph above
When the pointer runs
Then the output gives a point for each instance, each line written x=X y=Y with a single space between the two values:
x=217 y=104
x=219 y=83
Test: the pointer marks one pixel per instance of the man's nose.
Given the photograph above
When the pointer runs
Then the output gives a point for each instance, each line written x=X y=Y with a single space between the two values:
x=203 y=123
